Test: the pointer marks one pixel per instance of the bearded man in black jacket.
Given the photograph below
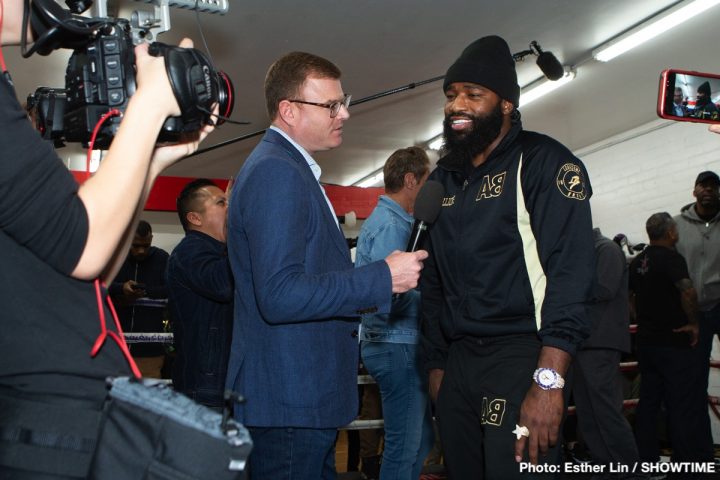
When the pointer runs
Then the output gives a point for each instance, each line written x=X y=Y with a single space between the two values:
x=510 y=270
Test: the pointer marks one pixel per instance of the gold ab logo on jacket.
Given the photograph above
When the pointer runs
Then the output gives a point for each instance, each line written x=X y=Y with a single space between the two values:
x=491 y=187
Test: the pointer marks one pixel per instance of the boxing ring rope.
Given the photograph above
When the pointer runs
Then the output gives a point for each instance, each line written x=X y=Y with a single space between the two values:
x=149 y=337
x=165 y=338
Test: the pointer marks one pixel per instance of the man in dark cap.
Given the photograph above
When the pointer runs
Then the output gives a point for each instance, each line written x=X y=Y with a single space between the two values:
x=698 y=226
x=510 y=269
x=704 y=107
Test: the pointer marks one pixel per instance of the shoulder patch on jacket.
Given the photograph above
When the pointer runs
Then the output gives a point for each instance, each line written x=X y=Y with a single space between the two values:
x=571 y=182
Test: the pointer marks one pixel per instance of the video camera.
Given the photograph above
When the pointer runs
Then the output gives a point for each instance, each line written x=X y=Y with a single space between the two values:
x=100 y=74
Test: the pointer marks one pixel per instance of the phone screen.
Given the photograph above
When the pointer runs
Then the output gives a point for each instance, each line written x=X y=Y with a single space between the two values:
x=689 y=96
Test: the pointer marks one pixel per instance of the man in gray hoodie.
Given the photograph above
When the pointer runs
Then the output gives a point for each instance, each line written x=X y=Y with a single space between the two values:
x=699 y=229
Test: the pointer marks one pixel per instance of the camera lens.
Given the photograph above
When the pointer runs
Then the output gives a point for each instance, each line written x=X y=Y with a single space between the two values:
x=226 y=96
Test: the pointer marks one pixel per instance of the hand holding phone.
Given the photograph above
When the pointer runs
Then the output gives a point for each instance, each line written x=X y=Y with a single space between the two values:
x=133 y=289
x=687 y=96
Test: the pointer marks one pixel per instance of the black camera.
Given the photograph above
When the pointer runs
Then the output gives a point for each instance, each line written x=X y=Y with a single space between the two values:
x=46 y=108
x=100 y=76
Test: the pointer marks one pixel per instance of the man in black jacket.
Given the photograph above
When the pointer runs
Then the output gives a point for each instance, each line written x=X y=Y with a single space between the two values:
x=140 y=295
x=200 y=285
x=509 y=272
x=704 y=106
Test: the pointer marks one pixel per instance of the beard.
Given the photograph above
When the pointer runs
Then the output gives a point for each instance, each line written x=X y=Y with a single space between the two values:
x=711 y=202
x=468 y=145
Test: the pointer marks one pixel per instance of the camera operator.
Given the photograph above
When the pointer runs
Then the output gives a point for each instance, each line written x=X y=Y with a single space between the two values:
x=56 y=238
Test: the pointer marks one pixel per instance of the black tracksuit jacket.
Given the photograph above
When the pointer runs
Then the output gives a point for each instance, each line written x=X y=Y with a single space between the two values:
x=505 y=261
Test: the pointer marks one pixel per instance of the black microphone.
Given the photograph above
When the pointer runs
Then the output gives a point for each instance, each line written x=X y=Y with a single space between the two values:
x=550 y=65
x=427 y=208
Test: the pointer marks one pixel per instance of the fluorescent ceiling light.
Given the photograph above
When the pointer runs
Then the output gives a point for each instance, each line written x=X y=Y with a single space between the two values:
x=370 y=180
x=652 y=28
x=543 y=87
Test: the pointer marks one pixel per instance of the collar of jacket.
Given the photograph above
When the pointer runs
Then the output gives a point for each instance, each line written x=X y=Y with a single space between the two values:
x=395 y=207
x=217 y=244
x=456 y=164
x=688 y=212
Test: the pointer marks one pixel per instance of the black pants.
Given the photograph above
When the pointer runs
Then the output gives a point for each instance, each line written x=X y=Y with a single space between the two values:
x=666 y=377
x=599 y=402
x=478 y=406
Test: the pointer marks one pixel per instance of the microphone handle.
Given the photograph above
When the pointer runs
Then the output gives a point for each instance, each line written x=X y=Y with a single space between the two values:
x=416 y=237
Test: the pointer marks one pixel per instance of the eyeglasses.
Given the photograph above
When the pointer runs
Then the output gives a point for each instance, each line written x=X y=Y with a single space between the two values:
x=333 y=106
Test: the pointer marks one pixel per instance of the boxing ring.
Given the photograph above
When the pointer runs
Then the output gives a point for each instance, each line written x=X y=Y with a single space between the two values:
x=628 y=404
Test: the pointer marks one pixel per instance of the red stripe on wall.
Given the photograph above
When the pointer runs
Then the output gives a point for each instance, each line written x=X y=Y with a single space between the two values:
x=344 y=199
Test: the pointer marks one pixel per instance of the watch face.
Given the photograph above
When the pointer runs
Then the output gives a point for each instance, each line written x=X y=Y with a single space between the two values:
x=546 y=377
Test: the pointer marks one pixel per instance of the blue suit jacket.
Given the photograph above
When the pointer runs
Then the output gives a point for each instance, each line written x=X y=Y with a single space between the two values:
x=294 y=352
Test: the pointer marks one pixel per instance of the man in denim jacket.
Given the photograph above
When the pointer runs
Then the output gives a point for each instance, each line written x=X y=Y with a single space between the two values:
x=389 y=341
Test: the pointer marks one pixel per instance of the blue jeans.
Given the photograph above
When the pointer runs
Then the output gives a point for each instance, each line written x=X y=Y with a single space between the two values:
x=408 y=423
x=292 y=453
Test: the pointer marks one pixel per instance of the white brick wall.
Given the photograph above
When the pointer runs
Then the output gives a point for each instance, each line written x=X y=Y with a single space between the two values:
x=647 y=170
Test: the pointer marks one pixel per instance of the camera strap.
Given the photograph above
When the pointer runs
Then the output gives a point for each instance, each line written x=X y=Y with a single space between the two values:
x=118 y=336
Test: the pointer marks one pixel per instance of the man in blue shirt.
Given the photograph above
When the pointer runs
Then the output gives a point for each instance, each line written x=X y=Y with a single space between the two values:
x=389 y=341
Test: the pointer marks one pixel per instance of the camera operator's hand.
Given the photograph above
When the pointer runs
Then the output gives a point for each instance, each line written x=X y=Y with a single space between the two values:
x=152 y=79
x=116 y=194
x=163 y=157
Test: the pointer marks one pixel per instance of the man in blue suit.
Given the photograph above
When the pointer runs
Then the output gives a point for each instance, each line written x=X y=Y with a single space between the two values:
x=294 y=351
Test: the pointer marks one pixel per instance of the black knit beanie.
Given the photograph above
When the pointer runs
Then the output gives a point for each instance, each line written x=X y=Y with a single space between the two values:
x=487 y=62
x=704 y=88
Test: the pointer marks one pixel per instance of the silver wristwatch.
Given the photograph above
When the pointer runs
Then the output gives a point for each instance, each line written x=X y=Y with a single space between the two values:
x=548 y=379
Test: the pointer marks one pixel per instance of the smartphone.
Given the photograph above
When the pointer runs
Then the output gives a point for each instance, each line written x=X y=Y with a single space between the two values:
x=139 y=286
x=687 y=96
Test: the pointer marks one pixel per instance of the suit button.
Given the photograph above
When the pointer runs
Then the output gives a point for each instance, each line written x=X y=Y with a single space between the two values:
x=354 y=334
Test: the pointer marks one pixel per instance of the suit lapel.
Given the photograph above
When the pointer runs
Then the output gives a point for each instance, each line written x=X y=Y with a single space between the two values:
x=315 y=189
